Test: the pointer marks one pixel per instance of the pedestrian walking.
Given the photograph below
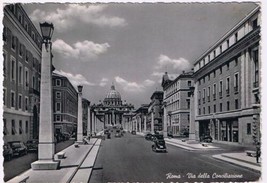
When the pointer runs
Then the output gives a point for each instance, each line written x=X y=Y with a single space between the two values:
x=258 y=152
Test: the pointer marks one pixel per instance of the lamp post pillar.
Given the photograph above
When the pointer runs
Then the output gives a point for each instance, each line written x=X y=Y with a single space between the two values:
x=165 y=120
x=152 y=121
x=80 y=117
x=46 y=146
x=89 y=121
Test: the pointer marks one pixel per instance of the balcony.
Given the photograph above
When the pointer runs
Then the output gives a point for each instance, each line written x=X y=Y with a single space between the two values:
x=33 y=91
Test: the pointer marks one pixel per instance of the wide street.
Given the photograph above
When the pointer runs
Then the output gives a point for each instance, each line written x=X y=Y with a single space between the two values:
x=130 y=158
x=18 y=165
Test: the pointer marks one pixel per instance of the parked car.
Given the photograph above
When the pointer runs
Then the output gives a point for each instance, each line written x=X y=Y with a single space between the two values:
x=32 y=145
x=206 y=138
x=170 y=134
x=133 y=132
x=159 y=146
x=7 y=152
x=148 y=136
x=108 y=135
x=118 y=134
x=18 y=147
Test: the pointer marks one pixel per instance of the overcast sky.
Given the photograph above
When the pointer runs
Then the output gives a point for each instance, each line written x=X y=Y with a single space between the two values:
x=132 y=45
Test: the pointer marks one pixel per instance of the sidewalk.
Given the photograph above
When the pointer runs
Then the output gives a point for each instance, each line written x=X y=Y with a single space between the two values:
x=241 y=159
x=74 y=157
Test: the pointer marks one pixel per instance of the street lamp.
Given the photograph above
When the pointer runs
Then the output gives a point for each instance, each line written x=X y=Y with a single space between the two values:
x=80 y=119
x=47 y=30
x=46 y=146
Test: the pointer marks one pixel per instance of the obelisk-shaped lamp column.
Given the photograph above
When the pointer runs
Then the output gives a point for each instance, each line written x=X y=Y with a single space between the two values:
x=46 y=147
x=80 y=116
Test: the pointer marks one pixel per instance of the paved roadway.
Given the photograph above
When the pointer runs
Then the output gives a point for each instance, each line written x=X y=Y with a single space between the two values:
x=130 y=159
x=18 y=165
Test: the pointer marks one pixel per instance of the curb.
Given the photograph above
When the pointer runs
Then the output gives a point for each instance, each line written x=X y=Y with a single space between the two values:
x=94 y=162
x=219 y=158
x=75 y=171
x=244 y=161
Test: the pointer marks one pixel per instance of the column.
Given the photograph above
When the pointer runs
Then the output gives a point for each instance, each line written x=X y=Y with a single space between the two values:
x=135 y=120
x=113 y=118
x=89 y=122
x=140 y=124
x=80 y=119
x=145 y=123
x=93 y=122
x=152 y=121
x=46 y=146
x=165 y=121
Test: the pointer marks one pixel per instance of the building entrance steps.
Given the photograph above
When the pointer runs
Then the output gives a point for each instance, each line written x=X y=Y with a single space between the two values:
x=68 y=166
x=241 y=159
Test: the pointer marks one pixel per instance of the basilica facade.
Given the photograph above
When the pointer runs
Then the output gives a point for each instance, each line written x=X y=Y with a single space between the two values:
x=113 y=111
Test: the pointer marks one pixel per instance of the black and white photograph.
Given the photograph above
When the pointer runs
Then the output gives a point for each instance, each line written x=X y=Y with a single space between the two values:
x=163 y=92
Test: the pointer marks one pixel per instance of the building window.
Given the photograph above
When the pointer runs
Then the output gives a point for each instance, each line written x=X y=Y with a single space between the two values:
x=220 y=107
x=220 y=89
x=13 y=42
x=5 y=131
x=199 y=97
x=220 y=48
x=236 y=61
x=58 y=82
x=58 y=106
x=5 y=34
x=20 y=49
x=4 y=62
x=228 y=86
x=12 y=99
x=188 y=103
x=33 y=82
x=199 y=111
x=227 y=66
x=214 y=108
x=4 y=96
x=214 y=91
x=248 y=128
x=228 y=43
x=204 y=95
x=203 y=110
x=236 y=104
x=203 y=79
x=228 y=105
x=58 y=118
x=209 y=58
x=26 y=127
x=214 y=73
x=255 y=23
x=214 y=53
x=236 y=83
x=208 y=94
x=58 y=95
x=236 y=36
x=26 y=78
x=208 y=109
x=33 y=36
x=26 y=103
x=20 y=127
x=20 y=102
x=220 y=70
x=208 y=77
x=189 y=83
x=20 y=74
x=256 y=70
x=13 y=69
x=27 y=56
x=14 y=131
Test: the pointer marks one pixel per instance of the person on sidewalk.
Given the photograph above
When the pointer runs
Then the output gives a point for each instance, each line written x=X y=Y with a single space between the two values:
x=258 y=152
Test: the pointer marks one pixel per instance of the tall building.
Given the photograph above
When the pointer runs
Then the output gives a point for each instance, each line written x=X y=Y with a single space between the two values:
x=140 y=118
x=112 y=111
x=155 y=112
x=65 y=108
x=177 y=102
x=22 y=66
x=227 y=90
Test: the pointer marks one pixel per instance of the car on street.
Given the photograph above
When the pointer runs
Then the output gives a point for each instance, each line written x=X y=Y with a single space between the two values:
x=148 y=136
x=108 y=135
x=206 y=138
x=18 y=147
x=32 y=145
x=7 y=152
x=159 y=146
x=133 y=132
x=118 y=133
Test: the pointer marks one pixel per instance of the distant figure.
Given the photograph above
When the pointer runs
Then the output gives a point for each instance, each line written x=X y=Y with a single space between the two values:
x=258 y=151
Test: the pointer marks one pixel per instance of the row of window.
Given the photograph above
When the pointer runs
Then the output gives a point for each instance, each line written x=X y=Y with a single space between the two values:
x=174 y=87
x=22 y=128
x=14 y=102
x=23 y=52
x=207 y=110
x=176 y=105
x=26 y=24
x=206 y=94
x=225 y=45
